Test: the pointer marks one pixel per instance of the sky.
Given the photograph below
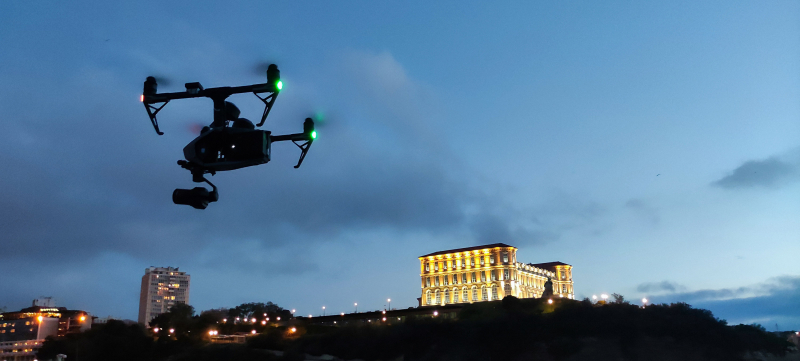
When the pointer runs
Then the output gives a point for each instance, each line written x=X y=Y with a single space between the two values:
x=654 y=147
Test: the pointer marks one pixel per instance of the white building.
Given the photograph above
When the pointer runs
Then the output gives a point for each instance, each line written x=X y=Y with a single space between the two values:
x=162 y=288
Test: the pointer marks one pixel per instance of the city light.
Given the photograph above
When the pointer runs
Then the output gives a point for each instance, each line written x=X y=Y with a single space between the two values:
x=83 y=318
x=550 y=301
x=278 y=318
x=342 y=313
x=644 y=301
x=224 y=320
x=212 y=333
x=384 y=319
x=155 y=329
x=40 y=318
x=264 y=322
x=604 y=296
x=171 y=330
x=253 y=320
x=293 y=311
x=436 y=313
x=268 y=318
x=594 y=297
x=293 y=330
x=253 y=332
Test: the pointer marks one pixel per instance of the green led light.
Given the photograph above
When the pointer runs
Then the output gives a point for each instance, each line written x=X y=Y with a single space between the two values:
x=314 y=135
x=280 y=85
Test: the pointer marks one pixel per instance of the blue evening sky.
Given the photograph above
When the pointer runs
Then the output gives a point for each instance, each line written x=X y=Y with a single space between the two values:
x=653 y=146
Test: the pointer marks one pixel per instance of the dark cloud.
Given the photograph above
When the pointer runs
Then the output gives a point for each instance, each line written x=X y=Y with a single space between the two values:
x=772 y=302
x=659 y=287
x=769 y=172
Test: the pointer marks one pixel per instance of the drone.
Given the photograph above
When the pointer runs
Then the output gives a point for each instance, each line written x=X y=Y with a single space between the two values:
x=230 y=142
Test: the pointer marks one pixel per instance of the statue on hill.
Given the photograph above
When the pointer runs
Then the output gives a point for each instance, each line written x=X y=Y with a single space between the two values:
x=548 y=289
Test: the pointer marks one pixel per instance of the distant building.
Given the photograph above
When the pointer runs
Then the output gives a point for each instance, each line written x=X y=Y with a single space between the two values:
x=22 y=332
x=486 y=273
x=162 y=288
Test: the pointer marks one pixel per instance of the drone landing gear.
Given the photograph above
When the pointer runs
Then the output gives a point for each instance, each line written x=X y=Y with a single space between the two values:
x=197 y=197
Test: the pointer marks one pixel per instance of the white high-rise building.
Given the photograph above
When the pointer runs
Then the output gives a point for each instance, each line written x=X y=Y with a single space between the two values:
x=162 y=288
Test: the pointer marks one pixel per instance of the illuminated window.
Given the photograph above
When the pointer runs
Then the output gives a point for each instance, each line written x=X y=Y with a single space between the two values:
x=463 y=263
x=436 y=280
x=472 y=262
x=446 y=280
x=474 y=293
x=505 y=274
x=454 y=264
x=465 y=295
x=427 y=267
x=436 y=266
x=427 y=281
x=483 y=262
x=491 y=259
x=446 y=296
x=438 y=297
x=494 y=292
x=505 y=257
x=507 y=290
x=463 y=278
x=455 y=295
x=484 y=296
x=493 y=274
x=483 y=276
x=473 y=277
x=428 y=297
x=455 y=279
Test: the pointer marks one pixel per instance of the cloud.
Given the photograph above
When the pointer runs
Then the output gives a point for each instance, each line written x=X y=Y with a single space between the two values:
x=768 y=303
x=643 y=210
x=770 y=172
x=659 y=287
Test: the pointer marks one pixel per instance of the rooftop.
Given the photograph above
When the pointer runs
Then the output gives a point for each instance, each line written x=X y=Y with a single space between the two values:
x=550 y=266
x=493 y=245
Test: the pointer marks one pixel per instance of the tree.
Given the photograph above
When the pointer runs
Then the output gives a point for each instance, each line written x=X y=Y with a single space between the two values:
x=257 y=310
x=618 y=298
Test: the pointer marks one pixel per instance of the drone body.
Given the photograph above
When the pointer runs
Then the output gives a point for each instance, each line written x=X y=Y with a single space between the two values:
x=230 y=142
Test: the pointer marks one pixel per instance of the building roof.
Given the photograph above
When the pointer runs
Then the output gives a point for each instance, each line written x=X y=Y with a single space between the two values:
x=550 y=266
x=493 y=245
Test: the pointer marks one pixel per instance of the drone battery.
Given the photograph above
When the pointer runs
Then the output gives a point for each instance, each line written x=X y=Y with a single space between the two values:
x=251 y=146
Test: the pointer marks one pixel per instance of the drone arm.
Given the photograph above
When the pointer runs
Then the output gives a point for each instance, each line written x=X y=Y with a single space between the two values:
x=295 y=138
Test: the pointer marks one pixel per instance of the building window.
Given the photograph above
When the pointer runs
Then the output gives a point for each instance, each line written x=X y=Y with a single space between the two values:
x=494 y=293
x=428 y=297
x=446 y=280
x=438 y=297
x=427 y=281
x=455 y=279
x=463 y=263
x=444 y=265
x=436 y=280
x=474 y=293
x=446 y=296
x=427 y=267
x=494 y=272
x=483 y=276
x=436 y=266
x=483 y=262
x=505 y=274
x=507 y=290
x=491 y=259
x=454 y=264
x=463 y=278
x=465 y=295
x=455 y=295
x=505 y=257
x=473 y=277
x=484 y=296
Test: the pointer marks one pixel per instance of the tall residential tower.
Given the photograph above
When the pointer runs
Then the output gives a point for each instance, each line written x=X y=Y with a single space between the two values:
x=162 y=288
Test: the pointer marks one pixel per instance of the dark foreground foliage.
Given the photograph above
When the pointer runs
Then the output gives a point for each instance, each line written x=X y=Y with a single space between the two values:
x=509 y=330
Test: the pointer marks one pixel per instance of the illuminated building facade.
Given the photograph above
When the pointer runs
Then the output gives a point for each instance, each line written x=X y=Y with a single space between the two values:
x=162 y=288
x=487 y=273
x=22 y=332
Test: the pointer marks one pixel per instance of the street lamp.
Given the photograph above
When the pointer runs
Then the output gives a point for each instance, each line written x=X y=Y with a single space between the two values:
x=604 y=297
x=644 y=302
x=356 y=304
x=390 y=303
x=323 y=310
x=594 y=298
